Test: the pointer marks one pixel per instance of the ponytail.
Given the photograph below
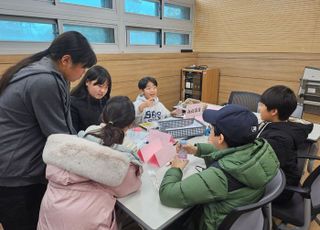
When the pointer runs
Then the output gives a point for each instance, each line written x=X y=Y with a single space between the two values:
x=109 y=134
x=117 y=115
x=112 y=135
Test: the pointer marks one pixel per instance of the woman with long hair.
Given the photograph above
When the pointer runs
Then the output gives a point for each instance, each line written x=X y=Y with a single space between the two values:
x=35 y=102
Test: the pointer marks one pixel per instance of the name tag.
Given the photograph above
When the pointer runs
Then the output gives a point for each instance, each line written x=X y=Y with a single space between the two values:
x=193 y=110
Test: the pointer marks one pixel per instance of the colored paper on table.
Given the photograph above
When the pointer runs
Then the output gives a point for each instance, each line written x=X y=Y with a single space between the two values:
x=165 y=138
x=148 y=150
x=138 y=137
x=214 y=107
x=158 y=150
x=210 y=106
x=149 y=125
x=163 y=156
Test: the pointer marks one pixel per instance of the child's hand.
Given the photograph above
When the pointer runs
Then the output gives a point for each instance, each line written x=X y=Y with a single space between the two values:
x=179 y=163
x=176 y=112
x=190 y=149
x=146 y=104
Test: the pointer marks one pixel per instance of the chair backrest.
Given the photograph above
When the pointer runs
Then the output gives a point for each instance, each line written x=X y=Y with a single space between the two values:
x=305 y=203
x=246 y=99
x=298 y=112
x=313 y=183
x=307 y=148
x=274 y=188
x=252 y=216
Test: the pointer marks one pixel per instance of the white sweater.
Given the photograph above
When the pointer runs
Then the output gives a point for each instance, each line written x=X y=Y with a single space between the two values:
x=156 y=112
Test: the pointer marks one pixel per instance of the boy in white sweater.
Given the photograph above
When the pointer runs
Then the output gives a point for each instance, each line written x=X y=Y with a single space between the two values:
x=147 y=105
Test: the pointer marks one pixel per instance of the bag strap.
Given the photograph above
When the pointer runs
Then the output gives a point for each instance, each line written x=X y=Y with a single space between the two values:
x=233 y=183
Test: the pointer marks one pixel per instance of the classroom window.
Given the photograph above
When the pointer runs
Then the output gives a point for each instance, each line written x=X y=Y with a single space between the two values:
x=144 y=7
x=27 y=31
x=176 y=11
x=93 y=34
x=176 y=38
x=92 y=3
x=148 y=37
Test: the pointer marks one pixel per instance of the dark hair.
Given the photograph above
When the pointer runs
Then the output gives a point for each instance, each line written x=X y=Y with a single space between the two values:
x=118 y=113
x=229 y=142
x=282 y=98
x=142 y=84
x=69 y=43
x=98 y=73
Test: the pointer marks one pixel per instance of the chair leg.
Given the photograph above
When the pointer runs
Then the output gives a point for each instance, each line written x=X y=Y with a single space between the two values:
x=274 y=225
x=317 y=219
x=282 y=226
x=268 y=212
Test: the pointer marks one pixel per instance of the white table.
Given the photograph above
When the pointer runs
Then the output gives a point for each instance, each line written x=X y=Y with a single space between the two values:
x=145 y=207
x=315 y=133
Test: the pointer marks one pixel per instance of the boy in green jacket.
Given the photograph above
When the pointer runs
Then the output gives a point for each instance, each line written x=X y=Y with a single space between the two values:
x=238 y=168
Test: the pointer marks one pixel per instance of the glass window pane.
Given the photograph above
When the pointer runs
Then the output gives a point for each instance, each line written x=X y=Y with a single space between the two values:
x=143 y=37
x=176 y=38
x=93 y=34
x=93 y=3
x=144 y=7
x=14 y=30
x=176 y=12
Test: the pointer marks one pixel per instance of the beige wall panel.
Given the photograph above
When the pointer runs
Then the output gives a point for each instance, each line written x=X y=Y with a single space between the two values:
x=127 y=69
x=4 y=67
x=231 y=83
x=250 y=71
x=135 y=69
x=145 y=56
x=275 y=66
x=257 y=26
x=256 y=72
x=168 y=89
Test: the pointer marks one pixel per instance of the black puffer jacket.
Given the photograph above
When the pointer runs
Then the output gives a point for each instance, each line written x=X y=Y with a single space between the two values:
x=285 y=138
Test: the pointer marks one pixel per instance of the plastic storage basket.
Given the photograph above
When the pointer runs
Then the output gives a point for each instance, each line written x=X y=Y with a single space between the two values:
x=182 y=128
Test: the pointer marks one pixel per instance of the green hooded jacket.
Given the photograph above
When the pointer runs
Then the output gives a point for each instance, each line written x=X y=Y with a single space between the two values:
x=254 y=165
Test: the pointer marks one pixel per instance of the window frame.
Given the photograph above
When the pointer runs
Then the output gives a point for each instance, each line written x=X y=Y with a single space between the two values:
x=55 y=11
x=179 y=4
x=58 y=2
x=178 y=32
x=98 y=25
x=142 y=29
x=35 y=20
x=145 y=15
